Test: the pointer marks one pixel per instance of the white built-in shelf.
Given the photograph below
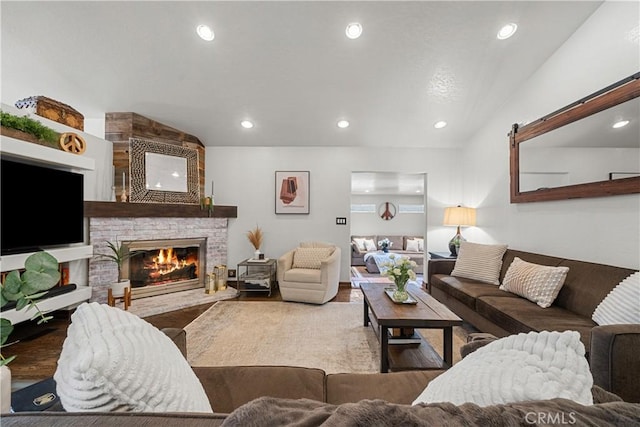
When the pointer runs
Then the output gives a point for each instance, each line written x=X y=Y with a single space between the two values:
x=34 y=153
x=71 y=253
x=59 y=302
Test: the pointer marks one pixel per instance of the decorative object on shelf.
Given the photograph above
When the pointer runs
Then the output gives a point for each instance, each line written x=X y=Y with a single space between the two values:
x=387 y=211
x=122 y=288
x=385 y=244
x=27 y=129
x=256 y=236
x=40 y=274
x=123 y=195
x=220 y=272
x=163 y=173
x=206 y=203
x=72 y=143
x=400 y=270
x=459 y=217
x=292 y=192
x=113 y=193
x=53 y=110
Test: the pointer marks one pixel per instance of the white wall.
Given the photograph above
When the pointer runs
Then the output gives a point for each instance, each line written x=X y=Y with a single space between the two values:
x=245 y=177
x=409 y=224
x=606 y=230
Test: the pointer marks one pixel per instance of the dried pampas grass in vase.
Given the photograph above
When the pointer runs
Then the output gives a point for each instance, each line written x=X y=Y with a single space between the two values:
x=255 y=236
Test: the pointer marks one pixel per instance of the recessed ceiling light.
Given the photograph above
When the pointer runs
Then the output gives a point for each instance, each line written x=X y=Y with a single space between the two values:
x=247 y=124
x=620 y=124
x=205 y=32
x=343 y=124
x=354 y=30
x=440 y=124
x=507 y=31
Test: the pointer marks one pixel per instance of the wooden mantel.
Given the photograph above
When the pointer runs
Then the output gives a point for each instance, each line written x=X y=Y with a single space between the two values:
x=154 y=210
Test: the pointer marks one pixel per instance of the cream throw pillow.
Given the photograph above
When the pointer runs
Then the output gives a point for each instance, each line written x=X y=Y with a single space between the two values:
x=412 y=245
x=479 y=262
x=537 y=283
x=370 y=245
x=360 y=243
x=310 y=257
x=621 y=305
x=532 y=366
x=112 y=360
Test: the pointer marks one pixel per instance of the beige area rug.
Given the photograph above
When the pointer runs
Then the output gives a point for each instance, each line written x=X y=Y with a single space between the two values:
x=330 y=336
x=150 y=306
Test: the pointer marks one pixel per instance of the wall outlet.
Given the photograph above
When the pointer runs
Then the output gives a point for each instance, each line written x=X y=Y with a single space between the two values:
x=341 y=221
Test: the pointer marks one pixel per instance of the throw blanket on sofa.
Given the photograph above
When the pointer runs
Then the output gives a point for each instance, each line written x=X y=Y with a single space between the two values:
x=268 y=411
x=380 y=258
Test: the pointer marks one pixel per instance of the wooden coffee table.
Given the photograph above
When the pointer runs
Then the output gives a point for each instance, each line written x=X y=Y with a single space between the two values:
x=427 y=313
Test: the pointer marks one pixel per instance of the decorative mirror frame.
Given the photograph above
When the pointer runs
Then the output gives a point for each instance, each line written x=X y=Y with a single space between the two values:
x=137 y=173
x=617 y=93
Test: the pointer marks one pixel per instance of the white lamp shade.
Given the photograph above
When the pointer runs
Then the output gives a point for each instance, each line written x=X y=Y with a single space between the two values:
x=459 y=216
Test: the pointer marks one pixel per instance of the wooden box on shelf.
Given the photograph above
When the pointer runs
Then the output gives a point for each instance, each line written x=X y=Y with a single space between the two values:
x=53 y=110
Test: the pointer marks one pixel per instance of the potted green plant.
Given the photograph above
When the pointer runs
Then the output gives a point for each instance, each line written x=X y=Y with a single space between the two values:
x=40 y=274
x=118 y=255
x=28 y=129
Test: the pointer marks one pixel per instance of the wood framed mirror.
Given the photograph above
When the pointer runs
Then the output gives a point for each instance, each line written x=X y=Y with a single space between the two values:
x=577 y=152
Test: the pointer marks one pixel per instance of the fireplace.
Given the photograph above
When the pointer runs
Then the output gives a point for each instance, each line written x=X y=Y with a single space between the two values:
x=164 y=266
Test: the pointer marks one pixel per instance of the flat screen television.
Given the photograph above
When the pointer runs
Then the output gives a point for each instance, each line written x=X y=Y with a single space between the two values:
x=40 y=208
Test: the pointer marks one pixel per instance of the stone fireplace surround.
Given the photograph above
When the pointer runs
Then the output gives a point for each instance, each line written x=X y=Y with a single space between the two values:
x=101 y=230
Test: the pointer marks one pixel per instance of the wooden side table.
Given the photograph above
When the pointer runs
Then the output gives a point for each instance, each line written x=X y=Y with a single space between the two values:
x=442 y=255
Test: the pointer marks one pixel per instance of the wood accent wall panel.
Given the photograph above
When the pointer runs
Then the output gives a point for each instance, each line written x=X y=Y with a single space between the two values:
x=119 y=127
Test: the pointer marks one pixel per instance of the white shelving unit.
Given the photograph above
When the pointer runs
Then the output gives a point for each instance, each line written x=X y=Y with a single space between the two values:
x=78 y=295
x=66 y=254
x=27 y=152
x=34 y=153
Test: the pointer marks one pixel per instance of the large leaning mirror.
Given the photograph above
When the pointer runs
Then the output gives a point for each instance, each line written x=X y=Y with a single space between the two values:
x=163 y=173
x=590 y=148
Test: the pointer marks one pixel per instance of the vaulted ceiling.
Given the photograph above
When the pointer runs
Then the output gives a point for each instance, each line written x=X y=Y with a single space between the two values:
x=286 y=66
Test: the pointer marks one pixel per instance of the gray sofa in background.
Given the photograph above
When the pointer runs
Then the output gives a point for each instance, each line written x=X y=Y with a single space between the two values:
x=399 y=246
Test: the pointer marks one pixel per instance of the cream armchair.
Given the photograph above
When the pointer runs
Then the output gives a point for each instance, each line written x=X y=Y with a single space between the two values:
x=310 y=273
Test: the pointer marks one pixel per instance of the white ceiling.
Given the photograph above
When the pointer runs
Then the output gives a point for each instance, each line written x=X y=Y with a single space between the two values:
x=287 y=66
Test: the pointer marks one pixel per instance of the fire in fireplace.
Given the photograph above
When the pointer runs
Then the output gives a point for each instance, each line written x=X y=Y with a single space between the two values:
x=164 y=266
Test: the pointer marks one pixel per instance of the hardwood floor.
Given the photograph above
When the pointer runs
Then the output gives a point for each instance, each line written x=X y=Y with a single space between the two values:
x=38 y=347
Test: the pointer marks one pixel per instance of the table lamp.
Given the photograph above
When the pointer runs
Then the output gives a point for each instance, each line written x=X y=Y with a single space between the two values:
x=459 y=217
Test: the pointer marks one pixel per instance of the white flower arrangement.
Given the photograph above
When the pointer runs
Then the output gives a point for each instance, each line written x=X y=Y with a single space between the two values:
x=399 y=269
x=385 y=243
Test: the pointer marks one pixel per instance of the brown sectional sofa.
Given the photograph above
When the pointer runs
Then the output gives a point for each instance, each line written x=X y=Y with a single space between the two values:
x=613 y=349
x=399 y=246
x=502 y=313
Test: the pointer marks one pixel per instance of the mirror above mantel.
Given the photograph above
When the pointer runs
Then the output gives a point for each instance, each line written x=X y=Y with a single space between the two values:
x=576 y=152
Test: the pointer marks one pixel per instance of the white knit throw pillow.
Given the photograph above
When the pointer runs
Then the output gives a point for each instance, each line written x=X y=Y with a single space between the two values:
x=112 y=360
x=537 y=283
x=621 y=305
x=533 y=366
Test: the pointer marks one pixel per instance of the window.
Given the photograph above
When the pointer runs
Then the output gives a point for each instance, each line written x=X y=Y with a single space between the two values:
x=411 y=208
x=363 y=207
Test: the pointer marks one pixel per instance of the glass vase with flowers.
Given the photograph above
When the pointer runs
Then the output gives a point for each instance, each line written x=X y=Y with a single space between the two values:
x=400 y=270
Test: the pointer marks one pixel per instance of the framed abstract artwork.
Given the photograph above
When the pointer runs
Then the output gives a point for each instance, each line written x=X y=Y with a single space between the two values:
x=292 y=192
